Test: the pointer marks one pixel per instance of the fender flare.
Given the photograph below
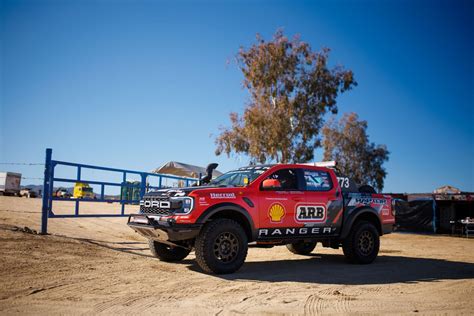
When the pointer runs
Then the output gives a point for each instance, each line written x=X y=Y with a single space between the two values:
x=208 y=213
x=354 y=215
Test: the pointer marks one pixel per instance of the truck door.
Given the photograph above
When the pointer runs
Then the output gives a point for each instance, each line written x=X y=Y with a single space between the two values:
x=323 y=205
x=277 y=203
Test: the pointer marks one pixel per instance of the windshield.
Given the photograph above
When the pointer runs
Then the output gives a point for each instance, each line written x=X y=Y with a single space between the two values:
x=240 y=177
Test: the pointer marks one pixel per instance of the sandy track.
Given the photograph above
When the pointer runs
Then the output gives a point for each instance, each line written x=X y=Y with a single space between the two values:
x=101 y=266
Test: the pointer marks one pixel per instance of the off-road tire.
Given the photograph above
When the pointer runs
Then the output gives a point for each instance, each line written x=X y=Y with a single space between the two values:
x=221 y=246
x=362 y=244
x=301 y=248
x=166 y=252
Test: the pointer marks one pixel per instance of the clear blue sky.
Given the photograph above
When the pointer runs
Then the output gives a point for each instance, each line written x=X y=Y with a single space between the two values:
x=134 y=84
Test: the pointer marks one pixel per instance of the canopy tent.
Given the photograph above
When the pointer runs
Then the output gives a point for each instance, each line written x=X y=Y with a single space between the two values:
x=184 y=170
x=447 y=189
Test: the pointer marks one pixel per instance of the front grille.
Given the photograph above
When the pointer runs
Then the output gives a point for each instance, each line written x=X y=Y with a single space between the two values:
x=155 y=210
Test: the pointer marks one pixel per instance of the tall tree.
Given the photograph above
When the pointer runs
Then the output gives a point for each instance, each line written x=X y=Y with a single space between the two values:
x=291 y=88
x=346 y=141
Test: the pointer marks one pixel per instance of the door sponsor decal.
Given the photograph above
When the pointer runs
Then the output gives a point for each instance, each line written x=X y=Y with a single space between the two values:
x=310 y=213
x=276 y=212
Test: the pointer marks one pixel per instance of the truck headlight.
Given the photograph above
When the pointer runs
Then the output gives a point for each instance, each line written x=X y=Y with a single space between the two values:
x=186 y=205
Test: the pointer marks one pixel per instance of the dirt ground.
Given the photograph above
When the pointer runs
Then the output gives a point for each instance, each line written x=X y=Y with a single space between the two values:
x=101 y=266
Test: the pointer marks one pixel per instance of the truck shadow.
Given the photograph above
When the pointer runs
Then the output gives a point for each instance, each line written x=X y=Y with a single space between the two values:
x=332 y=269
x=133 y=248
x=323 y=268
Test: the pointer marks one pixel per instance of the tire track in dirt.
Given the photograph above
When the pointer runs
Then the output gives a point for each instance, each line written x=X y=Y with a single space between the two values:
x=343 y=303
x=331 y=300
x=121 y=304
x=315 y=305
x=311 y=306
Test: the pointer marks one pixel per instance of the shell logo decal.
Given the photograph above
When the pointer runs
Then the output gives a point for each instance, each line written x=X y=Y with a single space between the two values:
x=276 y=212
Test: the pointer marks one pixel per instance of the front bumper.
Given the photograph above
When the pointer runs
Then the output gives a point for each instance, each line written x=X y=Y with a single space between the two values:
x=162 y=230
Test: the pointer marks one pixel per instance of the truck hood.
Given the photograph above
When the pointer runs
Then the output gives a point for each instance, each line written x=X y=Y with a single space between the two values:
x=171 y=192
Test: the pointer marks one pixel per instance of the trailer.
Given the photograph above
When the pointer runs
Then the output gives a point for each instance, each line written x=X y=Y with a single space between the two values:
x=10 y=183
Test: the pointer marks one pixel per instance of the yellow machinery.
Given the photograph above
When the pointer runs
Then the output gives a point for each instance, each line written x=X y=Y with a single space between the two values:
x=83 y=191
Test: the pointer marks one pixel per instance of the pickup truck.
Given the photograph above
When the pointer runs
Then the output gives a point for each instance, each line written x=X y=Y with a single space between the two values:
x=297 y=205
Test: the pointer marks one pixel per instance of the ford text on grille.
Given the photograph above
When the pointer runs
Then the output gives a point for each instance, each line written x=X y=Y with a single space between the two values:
x=159 y=204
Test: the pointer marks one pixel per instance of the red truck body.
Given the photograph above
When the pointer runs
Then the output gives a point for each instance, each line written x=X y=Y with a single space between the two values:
x=287 y=204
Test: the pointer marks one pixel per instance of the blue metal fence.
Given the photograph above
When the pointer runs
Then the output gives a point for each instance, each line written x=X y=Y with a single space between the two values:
x=49 y=179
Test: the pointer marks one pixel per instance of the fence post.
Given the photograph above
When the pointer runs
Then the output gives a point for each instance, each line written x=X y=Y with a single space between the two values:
x=79 y=171
x=46 y=192
x=143 y=185
x=124 y=184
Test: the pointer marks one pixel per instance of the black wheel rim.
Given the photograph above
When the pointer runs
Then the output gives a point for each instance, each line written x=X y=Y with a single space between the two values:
x=226 y=247
x=366 y=243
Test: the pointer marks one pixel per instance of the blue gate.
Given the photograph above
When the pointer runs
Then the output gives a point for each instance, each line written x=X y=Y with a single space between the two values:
x=49 y=179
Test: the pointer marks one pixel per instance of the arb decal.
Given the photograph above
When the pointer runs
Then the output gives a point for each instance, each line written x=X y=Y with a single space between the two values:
x=276 y=212
x=310 y=213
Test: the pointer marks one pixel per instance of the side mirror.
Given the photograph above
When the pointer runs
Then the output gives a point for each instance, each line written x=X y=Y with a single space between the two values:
x=271 y=184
